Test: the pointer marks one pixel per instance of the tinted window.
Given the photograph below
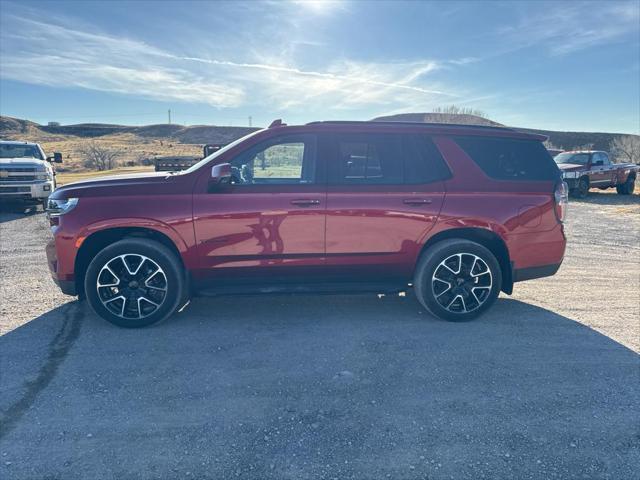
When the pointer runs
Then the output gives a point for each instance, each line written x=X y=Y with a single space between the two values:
x=601 y=157
x=385 y=159
x=283 y=160
x=574 y=158
x=9 y=150
x=423 y=161
x=510 y=159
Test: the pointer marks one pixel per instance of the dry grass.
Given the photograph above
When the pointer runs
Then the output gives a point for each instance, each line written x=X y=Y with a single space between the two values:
x=131 y=146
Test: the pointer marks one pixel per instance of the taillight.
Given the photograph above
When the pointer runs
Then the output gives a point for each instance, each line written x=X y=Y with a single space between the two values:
x=561 y=195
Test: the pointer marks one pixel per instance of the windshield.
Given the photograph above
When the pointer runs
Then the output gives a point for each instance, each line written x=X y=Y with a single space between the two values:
x=9 y=150
x=575 y=158
x=217 y=153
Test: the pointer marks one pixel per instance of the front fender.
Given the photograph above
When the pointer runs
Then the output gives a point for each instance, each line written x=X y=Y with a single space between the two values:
x=145 y=223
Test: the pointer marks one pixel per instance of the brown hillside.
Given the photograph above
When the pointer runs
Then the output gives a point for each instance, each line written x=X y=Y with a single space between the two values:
x=133 y=143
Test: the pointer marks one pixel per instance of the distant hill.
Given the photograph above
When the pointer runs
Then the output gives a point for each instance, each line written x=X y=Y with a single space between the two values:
x=562 y=140
x=193 y=134
x=135 y=145
x=457 y=118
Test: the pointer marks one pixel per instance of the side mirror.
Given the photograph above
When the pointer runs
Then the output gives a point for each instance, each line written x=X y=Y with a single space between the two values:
x=57 y=158
x=598 y=162
x=221 y=173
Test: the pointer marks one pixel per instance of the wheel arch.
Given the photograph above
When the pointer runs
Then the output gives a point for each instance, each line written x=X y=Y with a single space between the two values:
x=102 y=238
x=485 y=237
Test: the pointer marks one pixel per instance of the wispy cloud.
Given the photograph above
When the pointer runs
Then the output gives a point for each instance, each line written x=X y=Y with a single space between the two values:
x=565 y=28
x=58 y=55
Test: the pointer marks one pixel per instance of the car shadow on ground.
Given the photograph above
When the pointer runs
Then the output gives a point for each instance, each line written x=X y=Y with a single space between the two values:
x=14 y=210
x=609 y=197
x=318 y=387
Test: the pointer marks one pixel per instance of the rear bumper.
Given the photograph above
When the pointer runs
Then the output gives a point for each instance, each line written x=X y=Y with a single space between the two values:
x=529 y=273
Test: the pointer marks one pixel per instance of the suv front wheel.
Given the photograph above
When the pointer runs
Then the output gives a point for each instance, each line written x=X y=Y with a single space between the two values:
x=134 y=282
x=457 y=279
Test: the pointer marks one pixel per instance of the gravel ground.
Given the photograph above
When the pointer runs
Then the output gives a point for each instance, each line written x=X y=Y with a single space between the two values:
x=546 y=385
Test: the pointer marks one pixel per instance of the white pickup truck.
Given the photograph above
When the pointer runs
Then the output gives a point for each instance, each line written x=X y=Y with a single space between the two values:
x=26 y=173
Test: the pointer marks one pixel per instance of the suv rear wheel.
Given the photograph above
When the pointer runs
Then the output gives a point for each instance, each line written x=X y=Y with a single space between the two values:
x=457 y=279
x=134 y=283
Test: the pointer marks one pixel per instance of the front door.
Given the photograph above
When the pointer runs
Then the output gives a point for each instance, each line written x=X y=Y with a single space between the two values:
x=384 y=194
x=269 y=222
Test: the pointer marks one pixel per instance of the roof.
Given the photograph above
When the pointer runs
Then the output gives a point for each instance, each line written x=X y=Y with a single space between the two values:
x=435 y=128
x=392 y=123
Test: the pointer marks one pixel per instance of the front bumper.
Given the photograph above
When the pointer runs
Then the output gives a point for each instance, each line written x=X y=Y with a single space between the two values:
x=35 y=191
x=65 y=281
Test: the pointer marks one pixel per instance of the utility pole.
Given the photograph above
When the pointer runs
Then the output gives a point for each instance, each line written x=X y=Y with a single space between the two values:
x=249 y=120
x=169 y=116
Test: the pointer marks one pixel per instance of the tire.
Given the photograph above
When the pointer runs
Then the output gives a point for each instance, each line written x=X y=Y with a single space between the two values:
x=145 y=290
x=582 y=190
x=627 y=187
x=466 y=300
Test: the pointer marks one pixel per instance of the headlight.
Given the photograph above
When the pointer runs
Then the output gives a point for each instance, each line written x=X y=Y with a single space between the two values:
x=46 y=175
x=55 y=208
x=569 y=174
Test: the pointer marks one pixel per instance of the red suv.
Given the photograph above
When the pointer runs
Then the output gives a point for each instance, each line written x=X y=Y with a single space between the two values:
x=457 y=212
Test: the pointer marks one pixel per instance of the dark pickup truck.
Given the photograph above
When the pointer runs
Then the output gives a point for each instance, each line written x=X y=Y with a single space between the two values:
x=587 y=169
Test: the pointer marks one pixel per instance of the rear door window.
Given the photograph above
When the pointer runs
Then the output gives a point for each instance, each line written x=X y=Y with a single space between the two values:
x=387 y=159
x=510 y=159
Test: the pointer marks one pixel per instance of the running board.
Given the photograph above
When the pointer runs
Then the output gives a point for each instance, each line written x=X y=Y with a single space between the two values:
x=303 y=289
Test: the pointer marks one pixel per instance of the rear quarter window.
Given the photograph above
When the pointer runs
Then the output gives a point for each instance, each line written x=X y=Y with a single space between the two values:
x=509 y=158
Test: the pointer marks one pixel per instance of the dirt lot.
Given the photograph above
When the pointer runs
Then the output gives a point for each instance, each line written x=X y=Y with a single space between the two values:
x=546 y=385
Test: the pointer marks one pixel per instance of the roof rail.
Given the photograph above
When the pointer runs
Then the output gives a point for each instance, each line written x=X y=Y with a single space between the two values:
x=417 y=124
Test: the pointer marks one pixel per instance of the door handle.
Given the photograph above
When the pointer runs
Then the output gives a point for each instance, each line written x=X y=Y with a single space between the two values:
x=305 y=202
x=417 y=201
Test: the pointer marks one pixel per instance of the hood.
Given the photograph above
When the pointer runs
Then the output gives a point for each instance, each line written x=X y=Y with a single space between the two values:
x=571 y=167
x=24 y=161
x=111 y=185
x=121 y=179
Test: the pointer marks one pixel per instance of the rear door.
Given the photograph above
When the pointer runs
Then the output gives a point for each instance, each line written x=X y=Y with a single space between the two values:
x=384 y=194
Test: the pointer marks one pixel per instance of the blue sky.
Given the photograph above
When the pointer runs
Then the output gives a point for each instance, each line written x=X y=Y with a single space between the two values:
x=553 y=65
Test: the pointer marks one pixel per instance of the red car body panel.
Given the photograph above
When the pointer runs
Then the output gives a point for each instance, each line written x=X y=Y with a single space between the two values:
x=372 y=231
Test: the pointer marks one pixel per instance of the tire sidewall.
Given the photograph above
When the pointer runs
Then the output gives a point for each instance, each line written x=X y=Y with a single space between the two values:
x=630 y=186
x=430 y=262
x=156 y=252
x=580 y=191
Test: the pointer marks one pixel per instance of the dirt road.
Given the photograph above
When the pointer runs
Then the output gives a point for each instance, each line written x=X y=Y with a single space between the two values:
x=544 y=386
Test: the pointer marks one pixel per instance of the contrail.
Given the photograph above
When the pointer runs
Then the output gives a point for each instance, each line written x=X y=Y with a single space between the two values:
x=308 y=73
